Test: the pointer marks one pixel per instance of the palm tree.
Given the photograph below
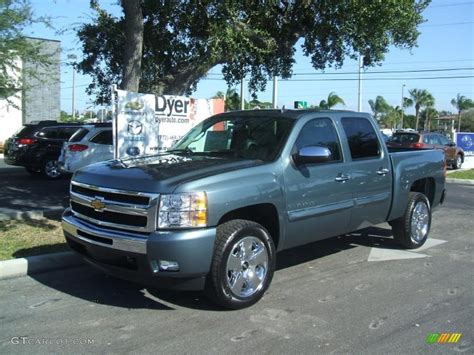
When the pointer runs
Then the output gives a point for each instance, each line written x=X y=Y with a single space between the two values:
x=461 y=103
x=379 y=107
x=429 y=113
x=332 y=101
x=420 y=98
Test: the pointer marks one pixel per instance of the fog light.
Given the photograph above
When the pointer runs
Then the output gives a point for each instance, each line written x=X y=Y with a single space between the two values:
x=166 y=265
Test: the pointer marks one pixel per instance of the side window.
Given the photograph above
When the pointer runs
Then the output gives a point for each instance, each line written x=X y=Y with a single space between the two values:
x=49 y=133
x=66 y=132
x=320 y=132
x=427 y=139
x=363 y=141
x=443 y=140
x=435 y=139
x=104 y=137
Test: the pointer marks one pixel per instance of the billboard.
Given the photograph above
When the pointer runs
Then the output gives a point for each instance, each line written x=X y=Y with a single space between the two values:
x=465 y=140
x=149 y=124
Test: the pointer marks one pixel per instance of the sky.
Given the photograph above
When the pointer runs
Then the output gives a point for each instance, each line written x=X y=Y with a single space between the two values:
x=446 y=42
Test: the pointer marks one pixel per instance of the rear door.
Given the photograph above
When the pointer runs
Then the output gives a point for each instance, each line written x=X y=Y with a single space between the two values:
x=370 y=171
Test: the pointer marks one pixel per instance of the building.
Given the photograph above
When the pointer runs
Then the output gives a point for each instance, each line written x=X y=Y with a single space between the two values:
x=40 y=98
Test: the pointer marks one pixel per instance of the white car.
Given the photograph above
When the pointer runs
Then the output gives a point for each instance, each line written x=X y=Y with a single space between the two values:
x=90 y=144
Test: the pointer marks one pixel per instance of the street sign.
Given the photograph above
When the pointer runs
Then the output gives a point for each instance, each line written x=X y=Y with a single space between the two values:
x=301 y=104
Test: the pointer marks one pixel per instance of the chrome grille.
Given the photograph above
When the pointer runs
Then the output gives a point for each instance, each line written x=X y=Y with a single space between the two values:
x=120 y=209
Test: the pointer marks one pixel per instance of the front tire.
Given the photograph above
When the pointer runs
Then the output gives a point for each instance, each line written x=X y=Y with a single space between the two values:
x=242 y=266
x=412 y=229
x=458 y=163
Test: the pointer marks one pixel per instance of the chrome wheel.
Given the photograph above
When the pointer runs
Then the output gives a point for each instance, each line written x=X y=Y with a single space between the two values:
x=420 y=220
x=247 y=267
x=458 y=162
x=51 y=169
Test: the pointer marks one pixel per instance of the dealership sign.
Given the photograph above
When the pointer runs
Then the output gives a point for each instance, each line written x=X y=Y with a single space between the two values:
x=148 y=124
x=465 y=140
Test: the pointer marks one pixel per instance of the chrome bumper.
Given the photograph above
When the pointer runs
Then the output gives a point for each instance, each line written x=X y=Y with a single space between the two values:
x=118 y=240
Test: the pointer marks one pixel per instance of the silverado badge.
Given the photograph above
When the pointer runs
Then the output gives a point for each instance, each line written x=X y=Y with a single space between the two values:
x=98 y=204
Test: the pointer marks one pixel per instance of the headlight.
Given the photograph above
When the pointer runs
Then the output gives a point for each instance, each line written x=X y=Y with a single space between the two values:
x=185 y=210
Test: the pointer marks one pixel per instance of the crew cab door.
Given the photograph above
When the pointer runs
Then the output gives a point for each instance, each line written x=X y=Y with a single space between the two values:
x=318 y=195
x=370 y=171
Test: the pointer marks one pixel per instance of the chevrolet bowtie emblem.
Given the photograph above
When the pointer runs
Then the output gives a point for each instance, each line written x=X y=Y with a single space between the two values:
x=98 y=204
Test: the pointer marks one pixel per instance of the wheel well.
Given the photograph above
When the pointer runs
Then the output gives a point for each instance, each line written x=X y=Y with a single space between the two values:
x=265 y=214
x=426 y=186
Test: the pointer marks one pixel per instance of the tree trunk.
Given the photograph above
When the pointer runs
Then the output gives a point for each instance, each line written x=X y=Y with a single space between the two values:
x=459 y=121
x=132 y=54
x=416 y=122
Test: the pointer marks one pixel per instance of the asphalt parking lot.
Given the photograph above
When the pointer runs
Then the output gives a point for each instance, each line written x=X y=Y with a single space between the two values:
x=351 y=294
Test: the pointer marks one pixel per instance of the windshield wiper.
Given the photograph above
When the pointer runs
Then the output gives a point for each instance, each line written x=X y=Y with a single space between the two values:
x=184 y=150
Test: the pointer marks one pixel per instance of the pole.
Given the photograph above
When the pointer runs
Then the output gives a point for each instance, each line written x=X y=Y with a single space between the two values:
x=242 y=100
x=361 y=61
x=73 y=93
x=275 y=91
x=402 y=105
x=113 y=91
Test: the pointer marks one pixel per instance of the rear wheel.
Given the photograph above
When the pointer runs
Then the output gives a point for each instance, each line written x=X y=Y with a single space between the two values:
x=411 y=230
x=242 y=266
x=50 y=169
x=458 y=163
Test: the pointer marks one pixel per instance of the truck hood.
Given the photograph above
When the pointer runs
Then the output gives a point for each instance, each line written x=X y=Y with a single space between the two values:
x=158 y=173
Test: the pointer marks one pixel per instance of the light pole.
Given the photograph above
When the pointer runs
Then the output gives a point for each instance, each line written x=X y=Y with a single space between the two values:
x=402 y=105
x=361 y=64
x=275 y=91
x=73 y=57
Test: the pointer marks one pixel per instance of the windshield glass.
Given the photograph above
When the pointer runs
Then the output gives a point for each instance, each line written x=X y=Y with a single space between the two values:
x=259 y=137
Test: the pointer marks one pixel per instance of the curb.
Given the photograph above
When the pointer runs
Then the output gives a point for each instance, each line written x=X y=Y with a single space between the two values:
x=460 y=181
x=25 y=215
x=37 y=264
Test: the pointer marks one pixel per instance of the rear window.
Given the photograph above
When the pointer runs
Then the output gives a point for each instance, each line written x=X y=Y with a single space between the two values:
x=405 y=138
x=25 y=131
x=79 y=135
x=62 y=133
x=104 y=137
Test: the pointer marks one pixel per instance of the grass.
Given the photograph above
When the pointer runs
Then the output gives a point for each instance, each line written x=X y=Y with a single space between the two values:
x=20 y=238
x=466 y=174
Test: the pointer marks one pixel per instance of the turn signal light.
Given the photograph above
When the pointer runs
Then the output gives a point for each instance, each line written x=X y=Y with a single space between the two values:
x=77 y=147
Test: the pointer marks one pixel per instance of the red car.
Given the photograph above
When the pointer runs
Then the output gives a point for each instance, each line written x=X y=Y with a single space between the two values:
x=429 y=140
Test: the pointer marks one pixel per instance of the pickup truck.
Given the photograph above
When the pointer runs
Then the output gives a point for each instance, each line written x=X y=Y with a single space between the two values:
x=212 y=211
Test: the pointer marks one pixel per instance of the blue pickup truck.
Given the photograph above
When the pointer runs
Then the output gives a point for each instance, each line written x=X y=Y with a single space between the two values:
x=212 y=212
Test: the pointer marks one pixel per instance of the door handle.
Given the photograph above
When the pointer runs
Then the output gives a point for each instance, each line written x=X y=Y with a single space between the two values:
x=342 y=178
x=383 y=171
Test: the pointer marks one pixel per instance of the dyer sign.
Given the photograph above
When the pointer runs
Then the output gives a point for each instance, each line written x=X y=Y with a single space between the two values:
x=148 y=124
x=465 y=140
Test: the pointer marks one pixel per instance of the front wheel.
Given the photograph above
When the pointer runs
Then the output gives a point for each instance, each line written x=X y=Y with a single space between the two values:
x=242 y=266
x=411 y=230
x=458 y=163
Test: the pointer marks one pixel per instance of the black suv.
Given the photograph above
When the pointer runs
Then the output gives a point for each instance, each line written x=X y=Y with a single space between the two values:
x=37 y=147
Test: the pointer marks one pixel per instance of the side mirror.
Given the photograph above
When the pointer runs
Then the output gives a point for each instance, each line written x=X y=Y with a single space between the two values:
x=311 y=155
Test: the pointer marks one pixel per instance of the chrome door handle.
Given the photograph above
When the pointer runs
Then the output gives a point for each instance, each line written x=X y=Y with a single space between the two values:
x=342 y=178
x=383 y=171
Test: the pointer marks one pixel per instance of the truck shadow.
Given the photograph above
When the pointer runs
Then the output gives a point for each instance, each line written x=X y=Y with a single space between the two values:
x=87 y=283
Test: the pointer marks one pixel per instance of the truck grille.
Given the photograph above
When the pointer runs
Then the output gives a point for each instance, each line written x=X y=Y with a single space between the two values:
x=119 y=209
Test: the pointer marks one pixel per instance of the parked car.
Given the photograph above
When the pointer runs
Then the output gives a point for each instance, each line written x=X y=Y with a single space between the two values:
x=213 y=210
x=37 y=147
x=90 y=144
x=429 y=140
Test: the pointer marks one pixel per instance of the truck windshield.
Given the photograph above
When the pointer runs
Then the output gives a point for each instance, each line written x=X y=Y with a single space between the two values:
x=259 y=137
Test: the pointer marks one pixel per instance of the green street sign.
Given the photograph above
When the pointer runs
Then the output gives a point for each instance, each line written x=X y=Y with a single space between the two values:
x=301 y=104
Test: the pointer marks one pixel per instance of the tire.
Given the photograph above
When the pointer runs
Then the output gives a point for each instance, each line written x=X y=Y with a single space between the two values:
x=411 y=230
x=458 y=163
x=50 y=169
x=237 y=280
x=33 y=172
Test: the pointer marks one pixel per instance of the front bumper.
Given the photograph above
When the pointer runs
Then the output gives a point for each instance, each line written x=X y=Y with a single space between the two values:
x=134 y=256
